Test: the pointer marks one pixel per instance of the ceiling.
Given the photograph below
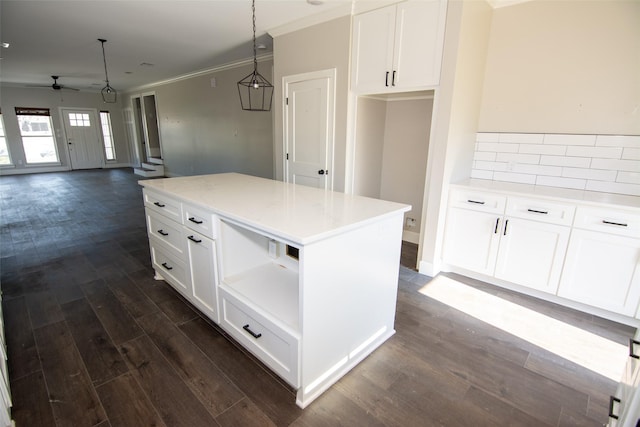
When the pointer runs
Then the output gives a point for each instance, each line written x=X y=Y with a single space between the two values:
x=147 y=41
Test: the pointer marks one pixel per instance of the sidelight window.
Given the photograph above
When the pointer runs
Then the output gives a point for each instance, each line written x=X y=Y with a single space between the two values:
x=5 y=156
x=107 y=135
x=36 y=130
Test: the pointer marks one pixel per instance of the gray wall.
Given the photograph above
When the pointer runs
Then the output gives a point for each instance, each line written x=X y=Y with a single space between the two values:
x=203 y=129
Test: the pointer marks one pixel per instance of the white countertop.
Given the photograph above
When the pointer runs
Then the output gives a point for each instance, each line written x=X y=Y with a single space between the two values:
x=294 y=212
x=564 y=194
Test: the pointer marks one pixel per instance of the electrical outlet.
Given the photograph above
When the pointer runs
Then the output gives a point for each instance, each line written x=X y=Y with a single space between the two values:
x=411 y=222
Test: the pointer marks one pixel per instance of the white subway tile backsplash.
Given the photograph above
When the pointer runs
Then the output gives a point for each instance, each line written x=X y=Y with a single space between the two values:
x=565 y=139
x=518 y=158
x=487 y=156
x=602 y=152
x=497 y=147
x=522 y=138
x=596 y=174
x=555 y=150
x=629 y=177
x=609 y=163
x=488 y=137
x=576 y=162
x=618 y=141
x=614 y=187
x=630 y=153
x=553 y=181
x=514 y=177
x=621 y=165
x=480 y=174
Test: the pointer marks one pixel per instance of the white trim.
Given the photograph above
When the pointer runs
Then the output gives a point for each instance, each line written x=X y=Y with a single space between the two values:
x=98 y=128
x=33 y=169
x=308 y=21
x=411 y=236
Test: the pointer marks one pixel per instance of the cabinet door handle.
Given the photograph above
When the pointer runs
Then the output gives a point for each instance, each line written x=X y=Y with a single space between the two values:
x=194 y=220
x=632 y=344
x=386 y=79
x=162 y=232
x=536 y=211
x=158 y=204
x=620 y=224
x=506 y=223
x=165 y=265
x=612 y=403
x=477 y=202
x=495 y=230
x=253 y=334
x=193 y=239
x=393 y=78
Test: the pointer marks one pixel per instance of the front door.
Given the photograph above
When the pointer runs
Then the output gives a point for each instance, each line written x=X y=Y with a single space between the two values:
x=309 y=128
x=83 y=140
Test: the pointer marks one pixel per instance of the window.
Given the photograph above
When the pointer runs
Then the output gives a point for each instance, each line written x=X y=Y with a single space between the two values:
x=79 y=119
x=109 y=150
x=5 y=156
x=36 y=130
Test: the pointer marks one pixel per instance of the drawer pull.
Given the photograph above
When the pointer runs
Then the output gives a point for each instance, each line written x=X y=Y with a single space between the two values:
x=536 y=211
x=158 y=204
x=194 y=220
x=162 y=232
x=620 y=224
x=166 y=266
x=475 y=201
x=386 y=79
x=506 y=223
x=193 y=239
x=632 y=344
x=495 y=230
x=612 y=403
x=253 y=334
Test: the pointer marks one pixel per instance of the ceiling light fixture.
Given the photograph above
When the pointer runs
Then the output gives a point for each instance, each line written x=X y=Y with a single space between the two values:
x=109 y=94
x=255 y=91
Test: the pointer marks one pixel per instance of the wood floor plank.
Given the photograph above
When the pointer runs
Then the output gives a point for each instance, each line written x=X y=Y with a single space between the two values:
x=178 y=310
x=43 y=309
x=246 y=414
x=260 y=387
x=30 y=401
x=126 y=404
x=113 y=316
x=100 y=356
x=171 y=397
x=72 y=396
x=206 y=381
x=133 y=299
x=22 y=353
x=158 y=290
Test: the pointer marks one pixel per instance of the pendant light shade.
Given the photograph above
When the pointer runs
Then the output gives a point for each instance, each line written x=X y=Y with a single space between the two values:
x=109 y=94
x=256 y=93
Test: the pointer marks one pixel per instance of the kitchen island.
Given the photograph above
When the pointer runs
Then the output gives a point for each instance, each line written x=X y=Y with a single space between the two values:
x=305 y=279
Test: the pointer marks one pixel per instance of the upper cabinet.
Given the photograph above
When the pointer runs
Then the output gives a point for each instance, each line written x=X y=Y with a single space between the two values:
x=399 y=47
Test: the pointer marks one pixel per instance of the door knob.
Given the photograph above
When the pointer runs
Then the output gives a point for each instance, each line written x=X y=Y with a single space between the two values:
x=322 y=172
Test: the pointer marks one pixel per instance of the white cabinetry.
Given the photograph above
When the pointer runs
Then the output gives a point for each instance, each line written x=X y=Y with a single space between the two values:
x=518 y=240
x=398 y=47
x=602 y=268
x=624 y=406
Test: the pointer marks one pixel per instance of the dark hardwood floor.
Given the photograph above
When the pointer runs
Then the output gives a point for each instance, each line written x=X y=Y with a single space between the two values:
x=94 y=340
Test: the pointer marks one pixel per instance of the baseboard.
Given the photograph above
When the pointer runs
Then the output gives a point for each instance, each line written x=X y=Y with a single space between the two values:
x=411 y=236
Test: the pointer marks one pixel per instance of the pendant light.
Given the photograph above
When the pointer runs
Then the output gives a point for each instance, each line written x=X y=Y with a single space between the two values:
x=109 y=94
x=255 y=91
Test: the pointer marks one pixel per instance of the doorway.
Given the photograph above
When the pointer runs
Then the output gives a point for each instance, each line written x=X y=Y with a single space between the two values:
x=309 y=128
x=84 y=144
x=147 y=131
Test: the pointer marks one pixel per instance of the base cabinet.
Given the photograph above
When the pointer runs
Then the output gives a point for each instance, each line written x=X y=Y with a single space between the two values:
x=202 y=270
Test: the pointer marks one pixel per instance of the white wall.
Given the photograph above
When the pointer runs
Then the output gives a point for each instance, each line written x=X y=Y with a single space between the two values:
x=45 y=98
x=204 y=130
x=369 y=146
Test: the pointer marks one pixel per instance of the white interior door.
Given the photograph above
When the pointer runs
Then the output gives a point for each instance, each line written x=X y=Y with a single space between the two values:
x=309 y=128
x=83 y=140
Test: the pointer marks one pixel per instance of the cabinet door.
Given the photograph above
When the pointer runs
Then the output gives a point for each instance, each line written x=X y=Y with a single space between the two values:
x=204 y=280
x=602 y=270
x=418 y=43
x=471 y=240
x=531 y=253
x=373 y=50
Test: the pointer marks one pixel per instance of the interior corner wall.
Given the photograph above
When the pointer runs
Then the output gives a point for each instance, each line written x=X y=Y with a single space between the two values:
x=564 y=67
x=203 y=129
x=369 y=146
x=319 y=47
x=53 y=100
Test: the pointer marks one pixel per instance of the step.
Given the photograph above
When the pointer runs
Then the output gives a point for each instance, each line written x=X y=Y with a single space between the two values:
x=153 y=166
x=156 y=160
x=149 y=173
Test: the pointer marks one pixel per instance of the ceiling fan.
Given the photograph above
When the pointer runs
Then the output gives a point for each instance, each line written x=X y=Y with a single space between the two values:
x=55 y=85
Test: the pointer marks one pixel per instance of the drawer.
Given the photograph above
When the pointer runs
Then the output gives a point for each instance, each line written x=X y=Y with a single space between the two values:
x=275 y=347
x=540 y=210
x=164 y=205
x=167 y=231
x=612 y=221
x=170 y=266
x=477 y=200
x=200 y=220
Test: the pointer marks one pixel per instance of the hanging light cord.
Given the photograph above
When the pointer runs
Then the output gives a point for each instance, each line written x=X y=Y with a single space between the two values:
x=104 y=60
x=255 y=52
